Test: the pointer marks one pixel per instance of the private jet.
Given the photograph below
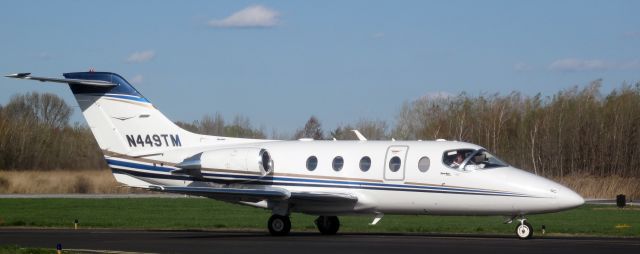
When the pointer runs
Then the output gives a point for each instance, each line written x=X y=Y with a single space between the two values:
x=324 y=178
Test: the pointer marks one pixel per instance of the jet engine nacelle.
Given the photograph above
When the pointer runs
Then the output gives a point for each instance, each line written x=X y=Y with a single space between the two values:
x=249 y=159
x=242 y=159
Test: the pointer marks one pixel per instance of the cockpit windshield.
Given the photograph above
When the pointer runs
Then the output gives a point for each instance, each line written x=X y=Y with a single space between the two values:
x=470 y=159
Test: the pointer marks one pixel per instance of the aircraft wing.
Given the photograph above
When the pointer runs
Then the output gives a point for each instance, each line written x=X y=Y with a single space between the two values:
x=242 y=194
x=237 y=194
x=323 y=197
x=254 y=195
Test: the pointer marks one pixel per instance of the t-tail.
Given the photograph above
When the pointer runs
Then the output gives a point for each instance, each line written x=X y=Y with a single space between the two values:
x=123 y=121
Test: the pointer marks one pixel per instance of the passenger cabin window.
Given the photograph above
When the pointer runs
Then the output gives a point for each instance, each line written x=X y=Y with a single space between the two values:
x=365 y=163
x=470 y=159
x=424 y=163
x=394 y=164
x=312 y=163
x=337 y=163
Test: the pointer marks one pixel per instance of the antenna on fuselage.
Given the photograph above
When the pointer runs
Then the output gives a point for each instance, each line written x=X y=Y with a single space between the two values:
x=360 y=136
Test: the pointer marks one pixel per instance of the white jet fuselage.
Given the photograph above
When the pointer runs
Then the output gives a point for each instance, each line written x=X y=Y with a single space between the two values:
x=440 y=190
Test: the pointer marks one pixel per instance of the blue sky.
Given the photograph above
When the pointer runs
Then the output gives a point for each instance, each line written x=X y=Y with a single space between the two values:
x=279 y=62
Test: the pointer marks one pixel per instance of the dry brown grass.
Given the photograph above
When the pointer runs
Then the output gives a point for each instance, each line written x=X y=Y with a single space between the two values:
x=102 y=182
x=603 y=187
x=60 y=182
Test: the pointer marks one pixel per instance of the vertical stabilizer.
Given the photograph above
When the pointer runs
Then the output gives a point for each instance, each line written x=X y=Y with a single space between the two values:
x=122 y=120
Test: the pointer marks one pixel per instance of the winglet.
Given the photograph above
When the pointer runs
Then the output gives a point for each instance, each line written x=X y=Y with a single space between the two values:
x=18 y=75
x=360 y=136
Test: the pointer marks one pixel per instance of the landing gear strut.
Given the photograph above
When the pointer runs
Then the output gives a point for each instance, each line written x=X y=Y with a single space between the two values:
x=279 y=225
x=524 y=230
x=328 y=225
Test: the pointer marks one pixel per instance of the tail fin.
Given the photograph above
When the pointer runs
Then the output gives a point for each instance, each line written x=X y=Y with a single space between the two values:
x=125 y=122
x=122 y=120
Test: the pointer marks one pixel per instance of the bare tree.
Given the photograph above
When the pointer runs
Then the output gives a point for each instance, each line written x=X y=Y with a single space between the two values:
x=312 y=129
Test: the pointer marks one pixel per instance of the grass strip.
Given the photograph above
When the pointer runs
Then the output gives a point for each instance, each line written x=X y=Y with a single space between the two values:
x=15 y=249
x=207 y=214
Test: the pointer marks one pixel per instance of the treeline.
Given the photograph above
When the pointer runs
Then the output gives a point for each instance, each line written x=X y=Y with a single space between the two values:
x=215 y=125
x=35 y=133
x=577 y=131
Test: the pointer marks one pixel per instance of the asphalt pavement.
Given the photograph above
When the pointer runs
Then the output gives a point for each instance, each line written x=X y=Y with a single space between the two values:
x=305 y=243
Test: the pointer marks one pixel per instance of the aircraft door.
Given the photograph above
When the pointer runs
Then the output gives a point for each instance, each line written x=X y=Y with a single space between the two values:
x=394 y=163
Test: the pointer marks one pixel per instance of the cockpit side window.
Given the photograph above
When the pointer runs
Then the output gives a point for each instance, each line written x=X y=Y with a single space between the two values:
x=455 y=158
x=484 y=160
x=470 y=159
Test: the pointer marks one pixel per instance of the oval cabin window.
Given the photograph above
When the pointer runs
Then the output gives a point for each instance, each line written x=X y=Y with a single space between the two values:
x=423 y=164
x=365 y=163
x=394 y=164
x=337 y=163
x=312 y=163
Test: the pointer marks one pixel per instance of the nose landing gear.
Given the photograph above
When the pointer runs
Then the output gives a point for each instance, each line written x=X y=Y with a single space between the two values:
x=524 y=230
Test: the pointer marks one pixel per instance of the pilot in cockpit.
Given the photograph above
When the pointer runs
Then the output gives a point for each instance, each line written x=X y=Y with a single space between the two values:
x=458 y=160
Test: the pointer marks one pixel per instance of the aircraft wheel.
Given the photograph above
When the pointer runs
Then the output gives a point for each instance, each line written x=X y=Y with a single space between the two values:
x=524 y=230
x=328 y=225
x=279 y=225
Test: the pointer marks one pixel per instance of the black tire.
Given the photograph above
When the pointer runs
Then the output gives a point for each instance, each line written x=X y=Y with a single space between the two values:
x=328 y=225
x=279 y=225
x=524 y=230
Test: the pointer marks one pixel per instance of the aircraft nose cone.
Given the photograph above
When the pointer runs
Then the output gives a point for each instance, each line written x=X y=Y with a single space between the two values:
x=568 y=198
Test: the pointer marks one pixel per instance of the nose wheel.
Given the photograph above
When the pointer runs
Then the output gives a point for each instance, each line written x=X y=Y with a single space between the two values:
x=279 y=225
x=524 y=230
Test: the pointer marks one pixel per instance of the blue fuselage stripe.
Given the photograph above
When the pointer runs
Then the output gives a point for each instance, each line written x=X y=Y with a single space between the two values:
x=288 y=181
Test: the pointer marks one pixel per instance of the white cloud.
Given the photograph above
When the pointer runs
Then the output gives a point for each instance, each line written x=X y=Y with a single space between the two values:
x=378 y=35
x=44 y=56
x=141 y=56
x=437 y=95
x=521 y=66
x=137 y=79
x=255 y=16
x=632 y=34
x=630 y=65
x=575 y=64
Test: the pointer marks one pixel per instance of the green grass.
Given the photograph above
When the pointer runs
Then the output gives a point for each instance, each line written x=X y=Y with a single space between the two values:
x=15 y=249
x=206 y=214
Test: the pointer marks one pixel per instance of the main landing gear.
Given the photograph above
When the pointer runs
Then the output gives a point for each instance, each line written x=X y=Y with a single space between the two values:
x=328 y=225
x=280 y=225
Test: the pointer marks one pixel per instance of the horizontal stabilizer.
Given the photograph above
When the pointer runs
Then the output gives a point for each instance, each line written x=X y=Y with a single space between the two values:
x=87 y=82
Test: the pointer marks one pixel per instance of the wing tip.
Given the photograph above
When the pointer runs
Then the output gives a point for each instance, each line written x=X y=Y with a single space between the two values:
x=18 y=75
